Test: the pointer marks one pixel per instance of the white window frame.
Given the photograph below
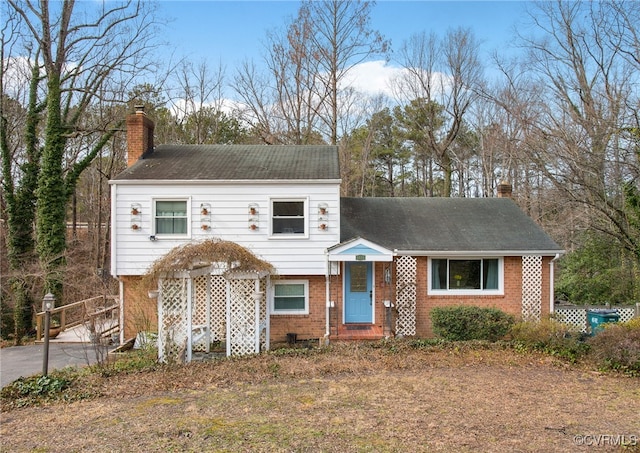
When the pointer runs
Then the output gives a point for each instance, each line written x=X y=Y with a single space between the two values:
x=466 y=292
x=305 y=311
x=305 y=211
x=172 y=236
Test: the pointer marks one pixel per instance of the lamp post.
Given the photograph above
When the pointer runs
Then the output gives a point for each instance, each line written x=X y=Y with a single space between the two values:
x=48 y=302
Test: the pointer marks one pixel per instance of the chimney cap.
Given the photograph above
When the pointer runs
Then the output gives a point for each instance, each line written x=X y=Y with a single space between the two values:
x=504 y=189
x=139 y=108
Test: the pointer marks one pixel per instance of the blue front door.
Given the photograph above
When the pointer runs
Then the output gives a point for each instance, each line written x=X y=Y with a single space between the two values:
x=358 y=303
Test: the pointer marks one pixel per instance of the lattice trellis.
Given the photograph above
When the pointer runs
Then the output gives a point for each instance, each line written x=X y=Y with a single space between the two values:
x=241 y=314
x=173 y=319
x=201 y=315
x=218 y=308
x=406 y=295
x=531 y=288
x=577 y=316
x=217 y=301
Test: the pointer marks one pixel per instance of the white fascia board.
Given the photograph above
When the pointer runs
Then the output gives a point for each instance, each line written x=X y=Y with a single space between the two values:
x=474 y=253
x=207 y=182
x=368 y=258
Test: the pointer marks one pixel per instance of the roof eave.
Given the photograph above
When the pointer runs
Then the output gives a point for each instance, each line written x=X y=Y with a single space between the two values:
x=199 y=182
x=477 y=253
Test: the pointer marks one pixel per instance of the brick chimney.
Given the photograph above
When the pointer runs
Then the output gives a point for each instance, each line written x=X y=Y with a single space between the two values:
x=139 y=135
x=504 y=190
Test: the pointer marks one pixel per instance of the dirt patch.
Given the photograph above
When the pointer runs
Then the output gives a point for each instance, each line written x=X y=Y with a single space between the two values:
x=349 y=398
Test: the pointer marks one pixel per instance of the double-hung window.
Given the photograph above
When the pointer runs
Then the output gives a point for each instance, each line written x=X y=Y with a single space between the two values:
x=171 y=217
x=288 y=217
x=467 y=275
x=291 y=297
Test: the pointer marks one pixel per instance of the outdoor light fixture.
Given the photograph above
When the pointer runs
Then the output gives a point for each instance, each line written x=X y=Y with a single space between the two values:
x=48 y=304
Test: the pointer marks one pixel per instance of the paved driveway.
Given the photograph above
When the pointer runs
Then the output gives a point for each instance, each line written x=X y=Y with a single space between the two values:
x=17 y=361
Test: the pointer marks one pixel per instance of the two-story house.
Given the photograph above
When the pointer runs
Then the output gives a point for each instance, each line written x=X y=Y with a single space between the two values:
x=347 y=268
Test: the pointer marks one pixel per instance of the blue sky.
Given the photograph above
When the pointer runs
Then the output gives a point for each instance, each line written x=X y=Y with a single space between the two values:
x=231 y=31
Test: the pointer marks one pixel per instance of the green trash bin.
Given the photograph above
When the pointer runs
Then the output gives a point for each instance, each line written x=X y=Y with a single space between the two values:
x=597 y=317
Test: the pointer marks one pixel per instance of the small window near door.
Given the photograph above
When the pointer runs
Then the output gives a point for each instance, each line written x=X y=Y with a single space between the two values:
x=288 y=217
x=291 y=297
x=171 y=217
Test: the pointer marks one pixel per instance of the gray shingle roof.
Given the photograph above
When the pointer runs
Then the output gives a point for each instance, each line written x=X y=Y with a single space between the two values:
x=235 y=162
x=443 y=224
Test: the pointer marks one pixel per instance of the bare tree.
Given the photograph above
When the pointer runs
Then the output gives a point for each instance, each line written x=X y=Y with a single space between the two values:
x=585 y=83
x=444 y=72
x=342 y=38
x=81 y=54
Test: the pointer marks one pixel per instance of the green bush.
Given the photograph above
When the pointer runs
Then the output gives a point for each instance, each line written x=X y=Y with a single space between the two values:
x=617 y=347
x=550 y=337
x=462 y=323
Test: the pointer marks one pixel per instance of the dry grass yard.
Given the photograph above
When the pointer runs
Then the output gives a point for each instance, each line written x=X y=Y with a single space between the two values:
x=346 y=398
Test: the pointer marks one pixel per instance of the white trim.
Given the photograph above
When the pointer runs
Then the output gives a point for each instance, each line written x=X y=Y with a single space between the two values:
x=160 y=236
x=216 y=182
x=113 y=235
x=335 y=253
x=305 y=211
x=272 y=298
x=477 y=253
x=467 y=292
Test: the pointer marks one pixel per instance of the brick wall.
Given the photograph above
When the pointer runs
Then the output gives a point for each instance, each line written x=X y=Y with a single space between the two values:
x=510 y=302
x=306 y=327
x=140 y=312
x=139 y=136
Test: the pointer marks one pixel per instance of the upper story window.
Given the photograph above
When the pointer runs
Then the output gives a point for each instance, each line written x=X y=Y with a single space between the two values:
x=288 y=217
x=171 y=217
x=467 y=275
x=291 y=297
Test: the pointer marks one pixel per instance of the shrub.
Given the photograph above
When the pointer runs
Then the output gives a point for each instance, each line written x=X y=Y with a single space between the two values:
x=617 y=347
x=550 y=337
x=462 y=323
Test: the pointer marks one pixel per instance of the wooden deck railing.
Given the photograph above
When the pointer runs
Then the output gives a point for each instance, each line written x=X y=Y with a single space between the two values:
x=77 y=313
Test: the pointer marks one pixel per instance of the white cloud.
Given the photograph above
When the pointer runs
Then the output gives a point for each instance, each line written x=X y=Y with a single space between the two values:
x=372 y=77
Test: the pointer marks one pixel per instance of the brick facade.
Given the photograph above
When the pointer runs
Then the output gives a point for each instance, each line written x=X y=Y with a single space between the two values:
x=141 y=312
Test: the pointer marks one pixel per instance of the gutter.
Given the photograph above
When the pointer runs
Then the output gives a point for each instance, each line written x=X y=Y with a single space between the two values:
x=480 y=253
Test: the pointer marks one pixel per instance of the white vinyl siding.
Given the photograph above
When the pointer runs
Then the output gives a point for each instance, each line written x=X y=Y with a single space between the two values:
x=133 y=251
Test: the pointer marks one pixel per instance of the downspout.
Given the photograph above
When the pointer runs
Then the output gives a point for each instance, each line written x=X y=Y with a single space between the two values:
x=327 y=304
x=121 y=303
x=552 y=283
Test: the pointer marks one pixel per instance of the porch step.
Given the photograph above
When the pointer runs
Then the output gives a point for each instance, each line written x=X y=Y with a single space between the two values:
x=358 y=332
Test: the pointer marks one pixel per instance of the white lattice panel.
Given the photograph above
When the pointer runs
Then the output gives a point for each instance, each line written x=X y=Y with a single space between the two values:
x=200 y=314
x=264 y=340
x=241 y=317
x=218 y=308
x=406 y=295
x=531 y=288
x=577 y=316
x=173 y=322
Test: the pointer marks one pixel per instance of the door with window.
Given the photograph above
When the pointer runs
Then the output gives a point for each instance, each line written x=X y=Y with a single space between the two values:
x=358 y=302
